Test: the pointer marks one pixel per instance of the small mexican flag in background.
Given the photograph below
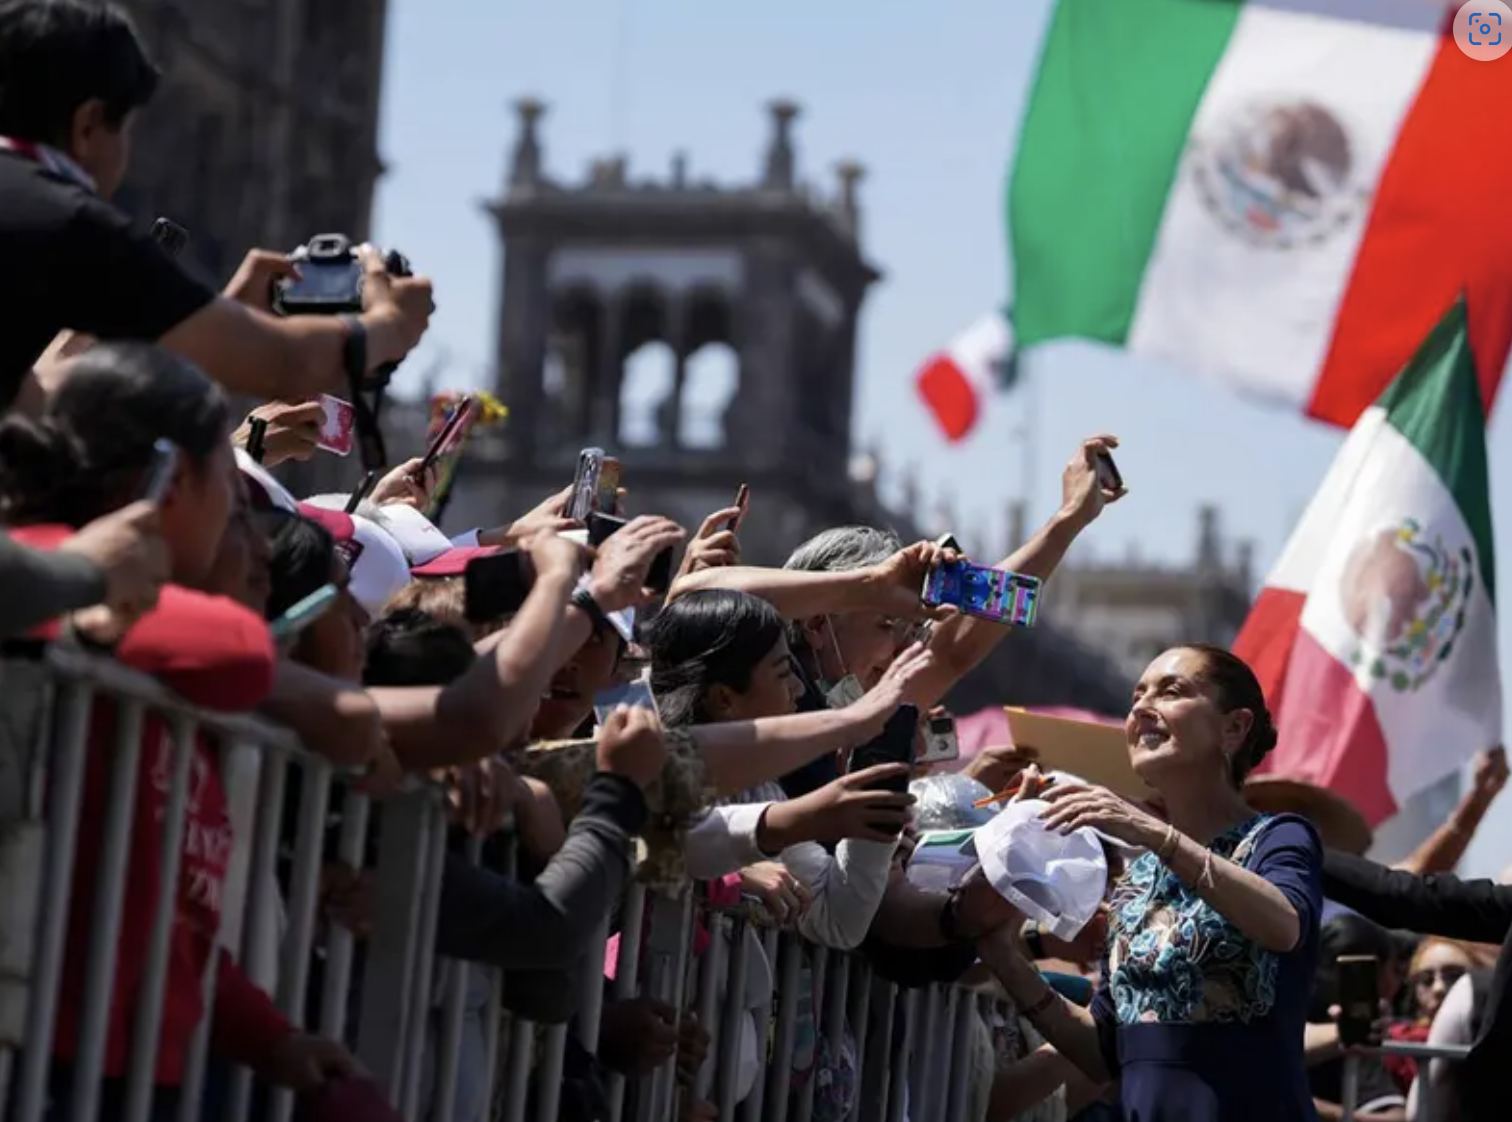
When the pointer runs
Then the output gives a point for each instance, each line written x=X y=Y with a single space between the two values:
x=1375 y=634
x=1281 y=196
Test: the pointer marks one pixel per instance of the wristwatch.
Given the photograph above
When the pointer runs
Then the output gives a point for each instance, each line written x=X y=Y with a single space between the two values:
x=582 y=599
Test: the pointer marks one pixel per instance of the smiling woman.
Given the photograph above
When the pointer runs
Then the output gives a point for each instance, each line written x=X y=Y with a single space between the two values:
x=1213 y=930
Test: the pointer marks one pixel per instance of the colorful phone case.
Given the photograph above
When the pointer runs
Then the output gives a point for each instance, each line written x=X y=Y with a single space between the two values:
x=991 y=594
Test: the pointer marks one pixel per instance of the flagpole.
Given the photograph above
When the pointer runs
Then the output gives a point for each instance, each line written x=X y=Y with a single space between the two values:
x=1028 y=438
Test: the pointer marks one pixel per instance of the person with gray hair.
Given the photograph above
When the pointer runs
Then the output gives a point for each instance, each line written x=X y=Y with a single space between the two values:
x=844 y=549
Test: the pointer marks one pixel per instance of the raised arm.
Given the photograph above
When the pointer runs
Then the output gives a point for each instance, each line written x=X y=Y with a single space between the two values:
x=490 y=707
x=1479 y=911
x=961 y=644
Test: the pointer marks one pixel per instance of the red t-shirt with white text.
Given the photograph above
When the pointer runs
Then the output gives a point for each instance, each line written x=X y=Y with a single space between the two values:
x=216 y=655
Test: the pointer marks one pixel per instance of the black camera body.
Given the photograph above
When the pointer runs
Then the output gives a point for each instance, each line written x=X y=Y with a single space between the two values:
x=330 y=278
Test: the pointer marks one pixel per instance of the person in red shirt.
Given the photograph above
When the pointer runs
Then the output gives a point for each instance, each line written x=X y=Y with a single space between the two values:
x=87 y=454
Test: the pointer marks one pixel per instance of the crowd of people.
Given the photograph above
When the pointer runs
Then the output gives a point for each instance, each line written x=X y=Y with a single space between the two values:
x=142 y=526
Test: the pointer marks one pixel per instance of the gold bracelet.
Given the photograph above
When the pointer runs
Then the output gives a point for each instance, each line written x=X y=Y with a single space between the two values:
x=1205 y=880
x=1167 y=847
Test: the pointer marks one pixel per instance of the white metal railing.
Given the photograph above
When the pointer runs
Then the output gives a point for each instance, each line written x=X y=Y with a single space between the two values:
x=1350 y=1082
x=69 y=720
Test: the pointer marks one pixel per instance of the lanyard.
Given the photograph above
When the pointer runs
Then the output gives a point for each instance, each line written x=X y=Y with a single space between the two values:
x=51 y=159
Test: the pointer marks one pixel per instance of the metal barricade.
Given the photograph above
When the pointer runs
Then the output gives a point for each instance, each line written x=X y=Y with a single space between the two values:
x=81 y=733
x=1424 y=1053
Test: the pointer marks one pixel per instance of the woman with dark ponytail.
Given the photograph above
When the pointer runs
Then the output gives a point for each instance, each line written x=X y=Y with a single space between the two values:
x=90 y=453
x=1213 y=931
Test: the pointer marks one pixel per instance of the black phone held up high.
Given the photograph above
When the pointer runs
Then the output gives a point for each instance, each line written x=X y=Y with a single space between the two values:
x=497 y=585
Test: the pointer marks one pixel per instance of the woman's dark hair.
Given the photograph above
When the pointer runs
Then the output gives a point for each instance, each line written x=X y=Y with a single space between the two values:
x=1345 y=934
x=414 y=648
x=57 y=55
x=303 y=558
x=711 y=638
x=1238 y=688
x=86 y=454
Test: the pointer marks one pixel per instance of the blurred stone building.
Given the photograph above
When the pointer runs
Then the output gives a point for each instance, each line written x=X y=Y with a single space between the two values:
x=705 y=334
x=265 y=130
x=1131 y=609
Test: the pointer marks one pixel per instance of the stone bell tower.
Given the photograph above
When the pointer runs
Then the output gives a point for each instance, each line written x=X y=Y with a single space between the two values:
x=703 y=333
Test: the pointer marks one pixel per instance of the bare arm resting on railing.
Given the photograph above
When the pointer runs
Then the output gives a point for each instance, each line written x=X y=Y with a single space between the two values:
x=1479 y=911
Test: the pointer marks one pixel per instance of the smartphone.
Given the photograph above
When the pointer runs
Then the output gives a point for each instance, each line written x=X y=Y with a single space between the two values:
x=304 y=612
x=940 y=741
x=991 y=594
x=603 y=526
x=1359 y=978
x=160 y=470
x=893 y=745
x=742 y=505
x=636 y=694
x=585 y=484
x=170 y=235
x=608 y=498
x=1109 y=478
x=496 y=585
x=452 y=433
x=338 y=426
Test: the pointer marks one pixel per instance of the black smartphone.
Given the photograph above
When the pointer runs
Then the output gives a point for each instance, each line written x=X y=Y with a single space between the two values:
x=742 y=506
x=603 y=526
x=1359 y=978
x=160 y=469
x=170 y=235
x=497 y=585
x=893 y=745
x=1109 y=478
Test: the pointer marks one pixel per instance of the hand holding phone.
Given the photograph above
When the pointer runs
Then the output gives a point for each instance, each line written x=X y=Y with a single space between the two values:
x=893 y=745
x=996 y=595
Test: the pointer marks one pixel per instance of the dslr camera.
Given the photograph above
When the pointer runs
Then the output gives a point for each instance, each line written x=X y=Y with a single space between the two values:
x=330 y=278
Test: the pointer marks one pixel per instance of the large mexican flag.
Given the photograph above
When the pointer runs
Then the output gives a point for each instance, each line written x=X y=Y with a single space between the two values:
x=1280 y=195
x=1375 y=635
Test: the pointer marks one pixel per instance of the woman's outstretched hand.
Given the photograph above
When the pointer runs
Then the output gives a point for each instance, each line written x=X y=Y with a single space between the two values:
x=900 y=685
x=1073 y=806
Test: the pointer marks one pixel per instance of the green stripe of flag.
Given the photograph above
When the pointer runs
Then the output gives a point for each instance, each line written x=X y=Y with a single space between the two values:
x=1118 y=86
x=1435 y=403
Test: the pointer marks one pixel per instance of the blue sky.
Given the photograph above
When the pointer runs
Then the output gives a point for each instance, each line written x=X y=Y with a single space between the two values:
x=928 y=97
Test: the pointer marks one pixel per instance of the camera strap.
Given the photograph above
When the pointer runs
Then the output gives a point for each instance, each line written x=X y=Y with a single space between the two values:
x=354 y=354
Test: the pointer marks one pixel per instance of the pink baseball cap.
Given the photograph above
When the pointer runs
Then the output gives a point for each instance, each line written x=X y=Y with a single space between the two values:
x=453 y=562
